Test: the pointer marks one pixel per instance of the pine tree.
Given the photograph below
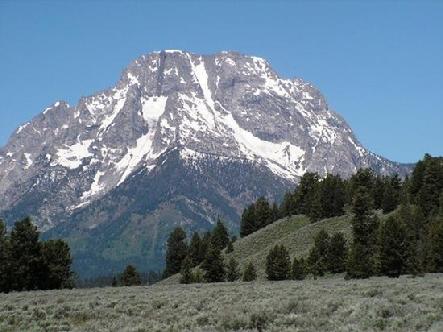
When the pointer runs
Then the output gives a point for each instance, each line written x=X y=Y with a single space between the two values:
x=304 y=195
x=275 y=212
x=364 y=228
x=4 y=259
x=229 y=248
x=176 y=251
x=248 y=223
x=337 y=253
x=57 y=258
x=186 y=271
x=196 y=250
x=391 y=194
x=130 y=277
x=213 y=265
x=392 y=239
x=318 y=255
x=114 y=282
x=220 y=236
x=232 y=273
x=287 y=207
x=278 y=264
x=435 y=239
x=263 y=213
x=298 y=269
x=413 y=220
x=27 y=266
x=249 y=273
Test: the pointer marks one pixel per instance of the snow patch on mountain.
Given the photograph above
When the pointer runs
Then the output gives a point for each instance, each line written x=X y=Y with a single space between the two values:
x=71 y=157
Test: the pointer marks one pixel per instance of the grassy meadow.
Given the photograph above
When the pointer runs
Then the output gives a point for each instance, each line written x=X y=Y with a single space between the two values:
x=326 y=304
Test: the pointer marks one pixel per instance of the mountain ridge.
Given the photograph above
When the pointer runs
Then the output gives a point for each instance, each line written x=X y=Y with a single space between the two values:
x=225 y=117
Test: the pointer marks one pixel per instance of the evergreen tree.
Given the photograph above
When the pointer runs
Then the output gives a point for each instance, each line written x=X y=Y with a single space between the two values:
x=378 y=192
x=435 y=239
x=278 y=264
x=176 y=251
x=287 y=207
x=365 y=178
x=229 y=248
x=392 y=239
x=57 y=259
x=186 y=271
x=114 y=282
x=196 y=250
x=413 y=220
x=248 y=222
x=305 y=194
x=4 y=259
x=263 y=213
x=213 y=265
x=364 y=228
x=318 y=255
x=130 y=277
x=250 y=273
x=391 y=194
x=27 y=265
x=232 y=273
x=331 y=196
x=220 y=236
x=275 y=212
x=337 y=253
x=298 y=269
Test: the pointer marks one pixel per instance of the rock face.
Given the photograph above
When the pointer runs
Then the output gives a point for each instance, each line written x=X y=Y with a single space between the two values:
x=180 y=140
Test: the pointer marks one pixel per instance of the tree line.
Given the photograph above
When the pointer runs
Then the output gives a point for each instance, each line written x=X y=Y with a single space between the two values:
x=26 y=263
x=320 y=198
x=408 y=239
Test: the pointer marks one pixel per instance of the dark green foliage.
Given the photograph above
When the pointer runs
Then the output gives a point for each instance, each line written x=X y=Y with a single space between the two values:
x=130 y=277
x=392 y=244
x=213 y=265
x=220 y=236
x=337 y=253
x=298 y=271
x=57 y=259
x=196 y=250
x=27 y=264
x=278 y=264
x=330 y=198
x=250 y=273
x=364 y=228
x=186 y=271
x=229 y=248
x=263 y=213
x=305 y=194
x=391 y=193
x=248 y=223
x=318 y=256
x=426 y=184
x=176 y=251
x=364 y=178
x=205 y=243
x=114 y=282
x=287 y=207
x=414 y=222
x=5 y=263
x=232 y=272
x=435 y=239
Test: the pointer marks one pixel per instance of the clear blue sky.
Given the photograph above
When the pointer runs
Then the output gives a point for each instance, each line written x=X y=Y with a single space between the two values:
x=379 y=64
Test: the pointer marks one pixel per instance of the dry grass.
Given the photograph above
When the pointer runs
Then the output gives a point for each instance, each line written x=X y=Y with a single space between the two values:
x=329 y=304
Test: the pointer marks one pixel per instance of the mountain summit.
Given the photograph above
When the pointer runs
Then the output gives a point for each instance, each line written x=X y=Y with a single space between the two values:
x=181 y=139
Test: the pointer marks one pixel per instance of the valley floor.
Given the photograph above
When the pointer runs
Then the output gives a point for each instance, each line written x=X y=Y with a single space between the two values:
x=328 y=304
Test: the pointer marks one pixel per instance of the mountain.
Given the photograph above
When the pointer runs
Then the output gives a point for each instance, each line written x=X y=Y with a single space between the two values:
x=181 y=139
